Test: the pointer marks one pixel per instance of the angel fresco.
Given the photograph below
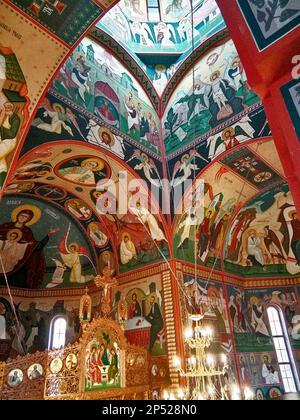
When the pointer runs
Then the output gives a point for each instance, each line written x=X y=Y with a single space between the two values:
x=70 y=255
x=165 y=34
x=60 y=119
x=88 y=170
x=21 y=254
x=148 y=221
x=148 y=166
x=142 y=31
x=230 y=137
x=187 y=165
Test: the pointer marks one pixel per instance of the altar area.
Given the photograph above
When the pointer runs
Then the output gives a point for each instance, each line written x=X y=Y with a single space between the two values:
x=82 y=371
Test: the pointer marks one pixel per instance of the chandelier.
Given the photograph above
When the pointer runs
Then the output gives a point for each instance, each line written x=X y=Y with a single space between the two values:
x=203 y=371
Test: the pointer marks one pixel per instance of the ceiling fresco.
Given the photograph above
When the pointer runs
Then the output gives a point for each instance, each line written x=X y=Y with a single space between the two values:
x=200 y=232
x=42 y=247
x=66 y=19
x=166 y=30
x=104 y=196
x=100 y=122
x=215 y=93
x=263 y=238
x=94 y=82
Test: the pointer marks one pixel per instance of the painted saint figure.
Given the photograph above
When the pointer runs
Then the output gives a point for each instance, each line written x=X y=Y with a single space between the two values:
x=22 y=255
x=155 y=318
x=135 y=308
x=93 y=368
x=127 y=249
x=113 y=369
x=148 y=220
x=223 y=102
x=295 y=243
x=9 y=129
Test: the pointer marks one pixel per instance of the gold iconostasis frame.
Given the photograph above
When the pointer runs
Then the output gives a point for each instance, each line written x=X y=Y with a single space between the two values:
x=61 y=374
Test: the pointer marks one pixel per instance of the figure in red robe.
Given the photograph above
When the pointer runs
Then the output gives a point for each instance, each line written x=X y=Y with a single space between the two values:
x=94 y=372
x=22 y=257
x=135 y=308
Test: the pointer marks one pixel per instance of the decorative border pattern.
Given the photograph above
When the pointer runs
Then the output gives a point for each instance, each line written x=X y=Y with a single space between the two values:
x=253 y=22
x=170 y=326
x=89 y=13
x=290 y=103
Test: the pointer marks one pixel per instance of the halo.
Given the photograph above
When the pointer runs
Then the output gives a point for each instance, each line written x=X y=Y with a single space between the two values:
x=184 y=157
x=74 y=244
x=235 y=60
x=215 y=73
x=153 y=295
x=291 y=214
x=144 y=157
x=266 y=355
x=103 y=130
x=17 y=231
x=253 y=300
x=76 y=55
x=228 y=130
x=100 y=163
x=58 y=107
x=93 y=226
x=160 y=67
x=126 y=234
x=35 y=210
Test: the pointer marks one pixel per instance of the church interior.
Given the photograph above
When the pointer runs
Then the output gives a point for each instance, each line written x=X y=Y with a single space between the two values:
x=149 y=199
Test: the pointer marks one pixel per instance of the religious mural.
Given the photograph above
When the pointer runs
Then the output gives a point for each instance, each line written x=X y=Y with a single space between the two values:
x=140 y=308
x=30 y=331
x=183 y=165
x=107 y=208
x=66 y=19
x=204 y=232
x=268 y=22
x=200 y=229
x=54 y=121
x=264 y=236
x=96 y=82
x=41 y=246
x=219 y=94
x=13 y=107
x=258 y=363
x=164 y=27
x=102 y=364
x=37 y=68
x=206 y=297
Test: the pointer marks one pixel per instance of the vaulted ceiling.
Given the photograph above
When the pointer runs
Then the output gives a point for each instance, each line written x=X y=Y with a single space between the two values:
x=152 y=91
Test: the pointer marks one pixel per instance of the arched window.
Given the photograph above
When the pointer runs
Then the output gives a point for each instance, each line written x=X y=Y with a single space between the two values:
x=58 y=333
x=283 y=350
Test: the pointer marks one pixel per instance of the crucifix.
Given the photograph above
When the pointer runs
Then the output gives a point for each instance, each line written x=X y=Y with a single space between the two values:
x=47 y=6
x=108 y=283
